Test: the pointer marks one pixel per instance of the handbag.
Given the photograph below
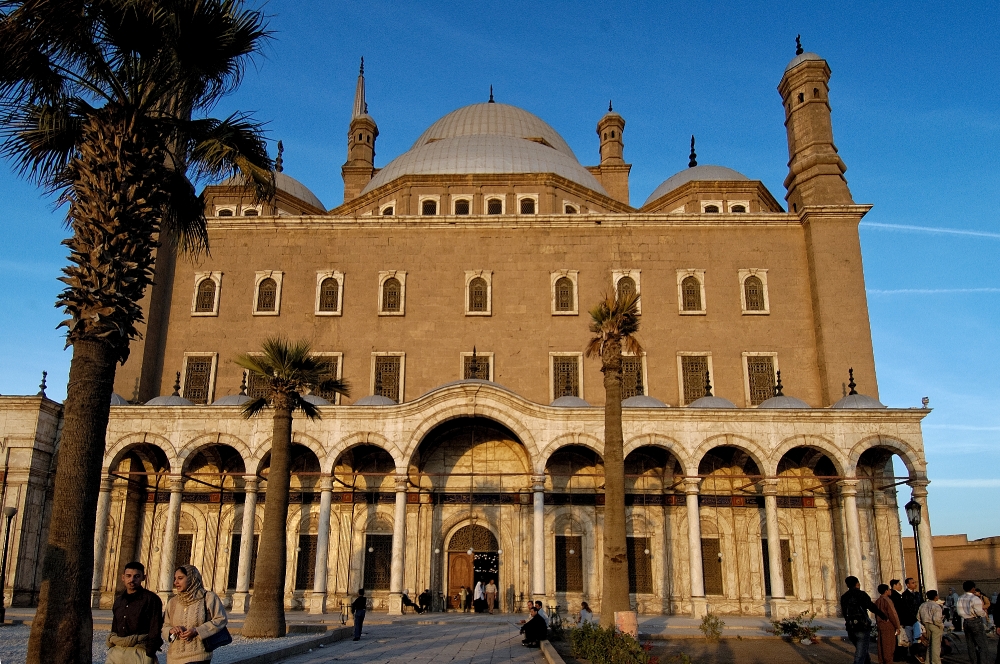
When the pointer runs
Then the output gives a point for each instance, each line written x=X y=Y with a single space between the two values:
x=217 y=640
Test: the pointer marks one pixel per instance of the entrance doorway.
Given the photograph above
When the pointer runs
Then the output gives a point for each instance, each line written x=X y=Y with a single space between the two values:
x=467 y=569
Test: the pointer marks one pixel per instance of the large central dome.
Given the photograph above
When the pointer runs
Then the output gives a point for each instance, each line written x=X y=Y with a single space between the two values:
x=488 y=138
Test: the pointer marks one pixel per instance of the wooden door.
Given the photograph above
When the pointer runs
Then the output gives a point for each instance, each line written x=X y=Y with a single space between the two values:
x=459 y=574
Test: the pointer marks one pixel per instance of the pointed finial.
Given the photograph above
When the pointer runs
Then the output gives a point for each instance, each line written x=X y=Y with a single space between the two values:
x=610 y=110
x=851 y=384
x=778 y=387
x=491 y=95
x=708 y=384
x=798 y=45
x=692 y=158
x=243 y=385
x=279 y=162
x=135 y=392
x=41 y=386
x=362 y=71
x=177 y=386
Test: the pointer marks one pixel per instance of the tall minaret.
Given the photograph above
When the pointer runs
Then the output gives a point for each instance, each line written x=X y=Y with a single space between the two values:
x=360 y=166
x=613 y=171
x=815 y=170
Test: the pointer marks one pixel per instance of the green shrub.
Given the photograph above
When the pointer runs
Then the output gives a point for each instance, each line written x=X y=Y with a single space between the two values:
x=608 y=646
x=712 y=626
x=800 y=627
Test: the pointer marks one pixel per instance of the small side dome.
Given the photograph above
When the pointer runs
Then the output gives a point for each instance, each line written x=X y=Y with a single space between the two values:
x=711 y=402
x=570 y=402
x=119 y=400
x=315 y=400
x=375 y=400
x=799 y=59
x=169 y=400
x=783 y=402
x=231 y=400
x=706 y=173
x=643 y=401
x=859 y=401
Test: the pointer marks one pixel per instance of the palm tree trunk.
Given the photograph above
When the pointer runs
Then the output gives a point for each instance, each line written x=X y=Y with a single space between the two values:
x=614 y=596
x=62 y=630
x=266 y=618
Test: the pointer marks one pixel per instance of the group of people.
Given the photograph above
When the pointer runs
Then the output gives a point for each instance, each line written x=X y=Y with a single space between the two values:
x=536 y=628
x=912 y=625
x=481 y=599
x=140 y=626
x=423 y=601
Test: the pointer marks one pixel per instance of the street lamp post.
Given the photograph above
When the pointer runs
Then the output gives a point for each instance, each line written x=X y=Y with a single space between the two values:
x=9 y=513
x=913 y=515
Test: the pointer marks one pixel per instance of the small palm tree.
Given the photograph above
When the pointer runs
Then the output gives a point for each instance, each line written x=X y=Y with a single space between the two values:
x=614 y=322
x=288 y=370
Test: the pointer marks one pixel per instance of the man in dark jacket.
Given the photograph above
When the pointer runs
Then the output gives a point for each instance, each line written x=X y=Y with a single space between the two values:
x=854 y=606
x=534 y=630
x=137 y=617
x=360 y=607
x=912 y=600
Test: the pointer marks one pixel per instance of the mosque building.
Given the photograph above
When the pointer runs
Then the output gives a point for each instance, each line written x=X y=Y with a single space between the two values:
x=451 y=290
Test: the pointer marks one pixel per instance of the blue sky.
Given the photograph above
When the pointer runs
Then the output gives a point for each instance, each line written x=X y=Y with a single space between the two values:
x=913 y=91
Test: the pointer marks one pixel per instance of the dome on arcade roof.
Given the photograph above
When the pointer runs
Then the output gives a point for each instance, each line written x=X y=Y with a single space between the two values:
x=169 y=400
x=711 y=402
x=643 y=401
x=783 y=402
x=853 y=400
x=375 y=400
x=119 y=400
x=570 y=402
x=231 y=400
x=315 y=400
x=707 y=173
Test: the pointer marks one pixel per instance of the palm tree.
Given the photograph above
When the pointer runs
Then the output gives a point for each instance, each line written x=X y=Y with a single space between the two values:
x=96 y=106
x=287 y=370
x=614 y=322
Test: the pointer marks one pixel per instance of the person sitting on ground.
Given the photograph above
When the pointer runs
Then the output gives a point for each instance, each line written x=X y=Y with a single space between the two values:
x=425 y=601
x=586 y=615
x=541 y=613
x=535 y=630
x=137 y=617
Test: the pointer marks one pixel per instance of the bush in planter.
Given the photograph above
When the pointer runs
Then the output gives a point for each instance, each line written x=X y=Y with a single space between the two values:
x=712 y=626
x=608 y=646
x=800 y=627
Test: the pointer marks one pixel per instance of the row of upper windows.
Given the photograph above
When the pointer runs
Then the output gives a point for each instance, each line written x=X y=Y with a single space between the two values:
x=695 y=375
x=462 y=206
x=479 y=292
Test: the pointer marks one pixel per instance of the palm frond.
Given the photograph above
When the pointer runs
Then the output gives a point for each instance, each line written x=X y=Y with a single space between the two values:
x=255 y=407
x=614 y=319
x=233 y=147
x=308 y=409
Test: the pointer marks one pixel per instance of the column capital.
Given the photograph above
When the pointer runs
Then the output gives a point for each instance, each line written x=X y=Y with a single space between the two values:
x=692 y=485
x=918 y=487
x=251 y=483
x=402 y=483
x=770 y=486
x=848 y=487
x=538 y=483
x=106 y=484
x=326 y=484
x=176 y=484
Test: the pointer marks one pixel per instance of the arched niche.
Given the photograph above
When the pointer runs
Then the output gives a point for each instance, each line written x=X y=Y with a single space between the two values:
x=471 y=453
x=212 y=466
x=365 y=468
x=304 y=467
x=574 y=468
x=728 y=469
x=651 y=468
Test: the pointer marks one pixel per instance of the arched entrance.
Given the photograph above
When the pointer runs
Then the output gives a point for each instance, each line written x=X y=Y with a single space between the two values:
x=473 y=557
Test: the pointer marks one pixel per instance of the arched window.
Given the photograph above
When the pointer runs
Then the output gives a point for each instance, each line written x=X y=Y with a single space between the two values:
x=250 y=213
x=329 y=294
x=478 y=295
x=389 y=211
x=739 y=208
x=626 y=287
x=564 y=294
x=225 y=213
x=494 y=206
x=527 y=206
x=691 y=292
x=569 y=209
x=267 y=295
x=712 y=209
x=205 y=302
x=462 y=206
x=429 y=208
x=392 y=292
x=753 y=291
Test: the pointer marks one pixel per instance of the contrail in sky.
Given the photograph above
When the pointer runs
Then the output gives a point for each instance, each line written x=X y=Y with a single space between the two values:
x=929 y=229
x=929 y=291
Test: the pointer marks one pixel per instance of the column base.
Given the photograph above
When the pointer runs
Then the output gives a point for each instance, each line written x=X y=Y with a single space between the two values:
x=95 y=599
x=317 y=603
x=699 y=607
x=395 y=604
x=779 y=607
x=241 y=602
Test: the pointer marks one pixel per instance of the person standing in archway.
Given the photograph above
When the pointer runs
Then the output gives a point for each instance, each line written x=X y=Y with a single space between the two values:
x=491 y=595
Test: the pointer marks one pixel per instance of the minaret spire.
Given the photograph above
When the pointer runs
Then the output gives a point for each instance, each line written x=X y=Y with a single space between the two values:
x=491 y=96
x=279 y=162
x=692 y=158
x=360 y=106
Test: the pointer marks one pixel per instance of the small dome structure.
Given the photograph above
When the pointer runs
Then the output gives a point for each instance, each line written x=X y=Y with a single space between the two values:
x=119 y=400
x=859 y=401
x=231 y=400
x=783 y=402
x=375 y=400
x=706 y=173
x=643 y=401
x=169 y=400
x=799 y=59
x=711 y=402
x=287 y=184
x=315 y=400
x=570 y=402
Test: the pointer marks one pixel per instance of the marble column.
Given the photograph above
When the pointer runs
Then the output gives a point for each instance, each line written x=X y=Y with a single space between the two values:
x=779 y=606
x=538 y=540
x=101 y=540
x=699 y=605
x=919 y=494
x=849 y=496
x=168 y=548
x=317 y=603
x=241 y=598
x=397 y=567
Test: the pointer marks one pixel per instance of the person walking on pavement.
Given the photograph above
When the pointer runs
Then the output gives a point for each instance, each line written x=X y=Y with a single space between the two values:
x=463 y=594
x=931 y=617
x=970 y=610
x=951 y=603
x=854 y=606
x=193 y=613
x=359 y=606
x=137 y=617
x=888 y=627
x=491 y=595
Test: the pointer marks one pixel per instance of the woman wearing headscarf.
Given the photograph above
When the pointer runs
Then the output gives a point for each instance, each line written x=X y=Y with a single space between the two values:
x=479 y=598
x=192 y=614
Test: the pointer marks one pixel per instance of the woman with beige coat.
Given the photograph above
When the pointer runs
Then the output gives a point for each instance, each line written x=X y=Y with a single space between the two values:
x=192 y=614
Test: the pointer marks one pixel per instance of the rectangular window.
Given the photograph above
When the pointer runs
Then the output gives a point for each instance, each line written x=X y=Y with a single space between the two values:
x=185 y=544
x=198 y=378
x=388 y=369
x=760 y=374
x=632 y=377
x=334 y=363
x=305 y=569
x=786 y=567
x=694 y=372
x=378 y=559
x=565 y=376
x=477 y=367
x=569 y=564
x=256 y=385
x=234 y=560
x=711 y=566
x=640 y=572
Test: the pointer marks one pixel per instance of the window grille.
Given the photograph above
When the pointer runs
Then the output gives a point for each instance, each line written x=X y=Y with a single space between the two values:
x=387 y=370
x=462 y=206
x=712 y=209
x=494 y=206
x=392 y=294
x=569 y=209
x=388 y=212
x=632 y=377
x=565 y=376
x=569 y=566
x=626 y=287
x=305 y=567
x=739 y=209
x=234 y=560
x=225 y=213
x=429 y=208
x=477 y=538
x=267 y=295
x=693 y=369
x=378 y=560
x=205 y=301
x=760 y=371
x=786 y=567
x=476 y=368
x=564 y=294
x=197 y=375
x=329 y=395
x=478 y=295
x=527 y=206
x=185 y=543
x=691 y=292
x=640 y=572
x=256 y=385
x=329 y=294
x=711 y=566
x=753 y=291
x=250 y=213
